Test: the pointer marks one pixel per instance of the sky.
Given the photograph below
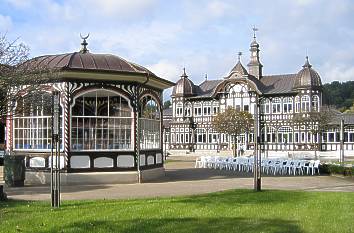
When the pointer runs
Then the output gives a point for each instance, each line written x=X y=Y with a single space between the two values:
x=204 y=36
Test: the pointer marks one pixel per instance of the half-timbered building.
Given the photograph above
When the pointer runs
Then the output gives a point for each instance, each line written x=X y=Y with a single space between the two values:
x=274 y=99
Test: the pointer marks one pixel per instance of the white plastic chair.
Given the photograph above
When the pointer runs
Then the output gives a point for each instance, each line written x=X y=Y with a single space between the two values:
x=199 y=162
x=316 y=167
x=299 y=167
x=308 y=167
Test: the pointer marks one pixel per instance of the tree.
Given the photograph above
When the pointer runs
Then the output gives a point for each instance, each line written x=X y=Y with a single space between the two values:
x=341 y=95
x=233 y=123
x=18 y=77
x=167 y=104
x=351 y=109
x=318 y=121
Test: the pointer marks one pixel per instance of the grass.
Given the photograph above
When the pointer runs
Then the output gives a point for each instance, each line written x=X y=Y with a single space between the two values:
x=230 y=211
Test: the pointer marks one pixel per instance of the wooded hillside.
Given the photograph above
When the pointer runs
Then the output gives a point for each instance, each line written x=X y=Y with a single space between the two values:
x=340 y=95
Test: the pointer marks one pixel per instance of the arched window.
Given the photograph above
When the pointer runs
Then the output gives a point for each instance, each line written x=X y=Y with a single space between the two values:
x=197 y=109
x=276 y=105
x=305 y=103
x=150 y=122
x=237 y=96
x=287 y=105
x=315 y=103
x=271 y=134
x=297 y=104
x=32 y=122
x=285 y=134
x=265 y=106
x=188 y=110
x=206 y=109
x=101 y=120
x=179 y=109
x=200 y=136
x=263 y=138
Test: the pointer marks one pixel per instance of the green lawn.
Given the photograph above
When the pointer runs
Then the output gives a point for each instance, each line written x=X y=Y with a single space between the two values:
x=230 y=211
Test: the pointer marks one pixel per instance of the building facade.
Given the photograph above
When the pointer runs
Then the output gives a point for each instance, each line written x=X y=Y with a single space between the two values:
x=274 y=99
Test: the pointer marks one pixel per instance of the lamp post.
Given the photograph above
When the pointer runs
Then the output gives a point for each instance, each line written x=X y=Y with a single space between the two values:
x=12 y=108
x=193 y=126
x=257 y=145
x=55 y=151
x=341 y=156
x=165 y=141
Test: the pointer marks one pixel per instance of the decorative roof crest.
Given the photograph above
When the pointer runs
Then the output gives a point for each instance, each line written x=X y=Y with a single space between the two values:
x=84 y=43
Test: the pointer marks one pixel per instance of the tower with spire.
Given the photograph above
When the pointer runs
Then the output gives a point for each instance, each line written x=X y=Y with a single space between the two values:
x=255 y=66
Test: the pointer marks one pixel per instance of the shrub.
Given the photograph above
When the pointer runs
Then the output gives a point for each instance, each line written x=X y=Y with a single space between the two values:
x=336 y=169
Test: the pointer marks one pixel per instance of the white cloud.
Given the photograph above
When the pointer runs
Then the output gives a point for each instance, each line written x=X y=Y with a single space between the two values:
x=118 y=8
x=166 y=69
x=200 y=13
x=91 y=11
x=217 y=8
x=203 y=35
x=20 y=3
x=336 y=72
x=305 y=2
x=5 y=23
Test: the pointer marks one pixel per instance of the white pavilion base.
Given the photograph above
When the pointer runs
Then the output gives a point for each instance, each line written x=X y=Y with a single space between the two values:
x=89 y=178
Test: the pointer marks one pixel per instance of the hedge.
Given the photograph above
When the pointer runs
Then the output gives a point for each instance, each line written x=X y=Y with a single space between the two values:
x=336 y=169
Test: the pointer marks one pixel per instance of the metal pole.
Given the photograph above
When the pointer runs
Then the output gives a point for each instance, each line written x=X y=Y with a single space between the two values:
x=255 y=169
x=55 y=151
x=137 y=141
x=259 y=166
x=341 y=157
x=257 y=151
x=52 y=158
x=58 y=150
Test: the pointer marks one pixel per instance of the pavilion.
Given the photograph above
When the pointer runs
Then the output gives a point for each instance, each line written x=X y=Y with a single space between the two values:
x=110 y=120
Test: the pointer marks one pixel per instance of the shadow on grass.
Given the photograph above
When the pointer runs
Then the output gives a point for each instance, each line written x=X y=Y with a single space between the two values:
x=45 y=189
x=243 y=197
x=194 y=174
x=181 y=225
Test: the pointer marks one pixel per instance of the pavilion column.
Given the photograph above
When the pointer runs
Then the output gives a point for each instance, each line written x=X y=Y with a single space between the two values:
x=9 y=133
x=136 y=130
x=67 y=122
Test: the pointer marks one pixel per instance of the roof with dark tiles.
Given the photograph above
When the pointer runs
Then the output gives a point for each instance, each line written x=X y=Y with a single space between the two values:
x=278 y=84
x=88 y=62
x=347 y=117
x=269 y=84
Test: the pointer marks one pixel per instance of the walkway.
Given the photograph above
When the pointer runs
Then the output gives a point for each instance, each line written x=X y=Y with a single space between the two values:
x=183 y=179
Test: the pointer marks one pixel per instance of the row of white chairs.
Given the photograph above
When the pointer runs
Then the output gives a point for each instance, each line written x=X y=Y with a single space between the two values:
x=268 y=166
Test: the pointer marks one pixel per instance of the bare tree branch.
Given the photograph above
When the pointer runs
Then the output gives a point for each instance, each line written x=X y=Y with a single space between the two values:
x=20 y=76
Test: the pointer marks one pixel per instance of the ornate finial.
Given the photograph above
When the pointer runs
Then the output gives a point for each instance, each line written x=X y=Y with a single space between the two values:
x=307 y=63
x=254 y=31
x=84 y=43
x=184 y=75
x=206 y=76
x=239 y=56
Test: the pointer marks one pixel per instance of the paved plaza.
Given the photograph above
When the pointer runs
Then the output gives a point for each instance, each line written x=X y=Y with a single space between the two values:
x=183 y=179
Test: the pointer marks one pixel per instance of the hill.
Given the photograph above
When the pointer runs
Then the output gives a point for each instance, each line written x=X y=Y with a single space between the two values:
x=339 y=94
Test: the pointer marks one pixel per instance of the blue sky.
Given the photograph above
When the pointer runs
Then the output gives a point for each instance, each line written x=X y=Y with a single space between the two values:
x=203 y=36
